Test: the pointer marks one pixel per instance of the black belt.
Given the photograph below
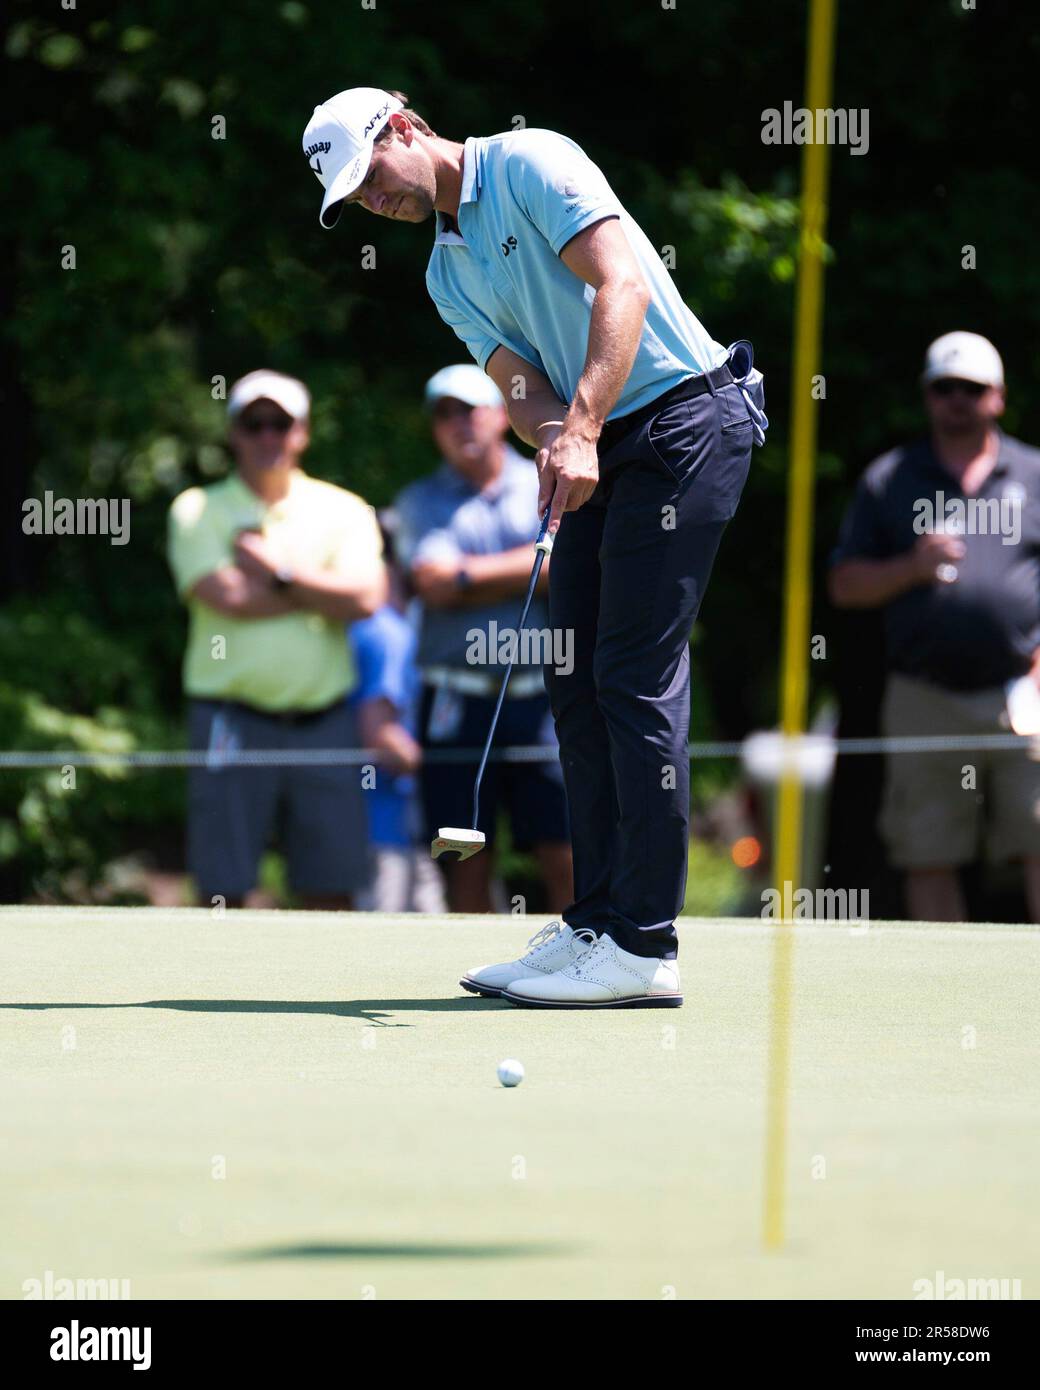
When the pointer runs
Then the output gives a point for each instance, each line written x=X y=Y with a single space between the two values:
x=288 y=716
x=614 y=430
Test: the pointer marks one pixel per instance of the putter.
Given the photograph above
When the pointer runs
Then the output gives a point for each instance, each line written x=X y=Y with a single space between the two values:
x=452 y=839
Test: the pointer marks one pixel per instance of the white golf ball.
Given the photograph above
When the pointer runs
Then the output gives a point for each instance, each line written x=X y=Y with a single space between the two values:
x=510 y=1072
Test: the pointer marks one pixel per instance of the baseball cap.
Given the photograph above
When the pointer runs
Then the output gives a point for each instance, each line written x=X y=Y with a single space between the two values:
x=338 y=142
x=466 y=382
x=966 y=356
x=286 y=391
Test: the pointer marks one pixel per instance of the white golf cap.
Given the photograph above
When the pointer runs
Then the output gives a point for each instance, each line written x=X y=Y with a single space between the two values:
x=466 y=382
x=338 y=142
x=966 y=356
x=285 y=391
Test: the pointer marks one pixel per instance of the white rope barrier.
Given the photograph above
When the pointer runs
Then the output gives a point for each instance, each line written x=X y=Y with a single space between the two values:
x=808 y=745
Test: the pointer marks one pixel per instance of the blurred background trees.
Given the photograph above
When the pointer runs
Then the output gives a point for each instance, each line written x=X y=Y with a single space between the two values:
x=199 y=258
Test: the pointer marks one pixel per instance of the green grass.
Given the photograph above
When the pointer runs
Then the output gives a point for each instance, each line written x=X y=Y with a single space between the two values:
x=348 y=1086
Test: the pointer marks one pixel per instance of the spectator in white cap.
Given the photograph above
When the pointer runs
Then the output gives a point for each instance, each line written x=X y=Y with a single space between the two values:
x=465 y=537
x=271 y=563
x=943 y=535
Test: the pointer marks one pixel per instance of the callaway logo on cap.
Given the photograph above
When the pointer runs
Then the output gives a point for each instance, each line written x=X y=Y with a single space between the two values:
x=338 y=142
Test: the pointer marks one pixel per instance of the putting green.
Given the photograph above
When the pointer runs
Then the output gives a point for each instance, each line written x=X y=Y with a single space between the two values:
x=332 y=1070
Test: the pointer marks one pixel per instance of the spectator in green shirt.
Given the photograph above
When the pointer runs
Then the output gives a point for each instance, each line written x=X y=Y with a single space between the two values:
x=271 y=563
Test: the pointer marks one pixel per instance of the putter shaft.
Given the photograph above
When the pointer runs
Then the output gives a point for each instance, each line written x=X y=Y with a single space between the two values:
x=543 y=545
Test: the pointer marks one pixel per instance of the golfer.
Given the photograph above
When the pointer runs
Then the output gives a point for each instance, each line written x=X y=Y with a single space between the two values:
x=643 y=427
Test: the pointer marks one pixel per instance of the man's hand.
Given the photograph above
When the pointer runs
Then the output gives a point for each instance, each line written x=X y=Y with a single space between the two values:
x=241 y=593
x=569 y=475
x=436 y=581
x=380 y=729
x=254 y=555
x=930 y=552
x=868 y=583
x=397 y=751
x=340 y=598
x=545 y=437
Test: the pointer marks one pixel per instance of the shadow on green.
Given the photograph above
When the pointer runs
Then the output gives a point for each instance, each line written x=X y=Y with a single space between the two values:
x=369 y=1010
x=427 y=1250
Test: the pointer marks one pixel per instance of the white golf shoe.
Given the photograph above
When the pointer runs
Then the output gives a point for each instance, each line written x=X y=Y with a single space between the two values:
x=605 y=977
x=548 y=950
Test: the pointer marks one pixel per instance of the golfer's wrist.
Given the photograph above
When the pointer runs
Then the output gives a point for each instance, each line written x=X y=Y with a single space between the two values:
x=546 y=432
x=579 y=424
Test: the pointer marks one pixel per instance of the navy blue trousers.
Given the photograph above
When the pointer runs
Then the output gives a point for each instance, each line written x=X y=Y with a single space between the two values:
x=627 y=577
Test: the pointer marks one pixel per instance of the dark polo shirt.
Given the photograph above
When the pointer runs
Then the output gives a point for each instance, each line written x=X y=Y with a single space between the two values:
x=982 y=629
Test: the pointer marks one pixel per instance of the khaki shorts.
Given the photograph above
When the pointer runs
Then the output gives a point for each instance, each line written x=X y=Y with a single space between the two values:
x=931 y=817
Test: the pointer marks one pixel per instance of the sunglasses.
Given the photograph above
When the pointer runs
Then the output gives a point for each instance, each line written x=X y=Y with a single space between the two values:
x=256 y=424
x=948 y=386
x=447 y=409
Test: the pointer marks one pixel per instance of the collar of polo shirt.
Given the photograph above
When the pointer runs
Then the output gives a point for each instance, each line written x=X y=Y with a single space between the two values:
x=472 y=180
x=1000 y=469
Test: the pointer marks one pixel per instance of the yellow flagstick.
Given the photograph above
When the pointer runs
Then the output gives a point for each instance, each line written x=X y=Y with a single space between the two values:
x=797 y=596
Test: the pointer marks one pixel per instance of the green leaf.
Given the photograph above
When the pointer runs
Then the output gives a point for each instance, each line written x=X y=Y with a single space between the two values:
x=60 y=51
x=136 y=39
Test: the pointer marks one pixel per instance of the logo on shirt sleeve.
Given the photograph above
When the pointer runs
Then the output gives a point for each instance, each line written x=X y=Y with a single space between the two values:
x=568 y=185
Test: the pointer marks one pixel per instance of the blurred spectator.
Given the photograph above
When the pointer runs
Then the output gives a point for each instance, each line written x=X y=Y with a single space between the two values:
x=466 y=538
x=271 y=563
x=386 y=699
x=944 y=535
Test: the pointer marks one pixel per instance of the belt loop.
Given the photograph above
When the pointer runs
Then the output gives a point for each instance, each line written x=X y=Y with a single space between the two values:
x=711 y=384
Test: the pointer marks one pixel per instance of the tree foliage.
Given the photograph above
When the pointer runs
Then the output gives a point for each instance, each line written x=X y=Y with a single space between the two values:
x=198 y=258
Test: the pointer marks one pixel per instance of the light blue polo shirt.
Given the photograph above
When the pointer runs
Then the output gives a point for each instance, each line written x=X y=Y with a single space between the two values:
x=525 y=194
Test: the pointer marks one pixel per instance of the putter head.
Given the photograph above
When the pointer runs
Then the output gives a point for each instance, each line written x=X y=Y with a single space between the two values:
x=451 y=840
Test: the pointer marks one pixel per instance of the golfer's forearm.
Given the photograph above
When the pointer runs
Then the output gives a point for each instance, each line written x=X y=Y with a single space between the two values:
x=538 y=410
x=870 y=583
x=618 y=313
x=336 y=598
